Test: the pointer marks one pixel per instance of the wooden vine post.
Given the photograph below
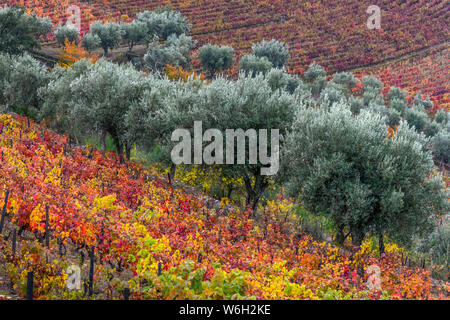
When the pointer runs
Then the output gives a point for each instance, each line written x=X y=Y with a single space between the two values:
x=91 y=272
x=3 y=217
x=30 y=285
x=47 y=227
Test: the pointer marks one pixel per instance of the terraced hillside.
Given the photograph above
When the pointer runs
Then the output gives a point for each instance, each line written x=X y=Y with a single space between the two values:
x=332 y=34
x=426 y=73
x=163 y=243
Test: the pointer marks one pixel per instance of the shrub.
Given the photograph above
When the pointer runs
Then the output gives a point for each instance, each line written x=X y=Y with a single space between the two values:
x=441 y=117
x=441 y=146
x=417 y=119
x=214 y=58
x=163 y=24
x=276 y=52
x=69 y=32
x=134 y=33
x=110 y=34
x=20 y=79
x=330 y=156
x=19 y=31
x=91 y=42
x=252 y=65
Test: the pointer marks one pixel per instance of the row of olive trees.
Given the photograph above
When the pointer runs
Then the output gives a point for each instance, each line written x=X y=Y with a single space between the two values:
x=143 y=29
x=338 y=156
x=163 y=31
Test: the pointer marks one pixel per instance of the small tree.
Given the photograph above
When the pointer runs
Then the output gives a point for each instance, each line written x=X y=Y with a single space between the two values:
x=91 y=42
x=19 y=31
x=316 y=78
x=252 y=65
x=20 y=79
x=110 y=34
x=275 y=51
x=365 y=179
x=102 y=96
x=163 y=23
x=69 y=32
x=134 y=33
x=58 y=103
x=248 y=104
x=176 y=52
x=214 y=58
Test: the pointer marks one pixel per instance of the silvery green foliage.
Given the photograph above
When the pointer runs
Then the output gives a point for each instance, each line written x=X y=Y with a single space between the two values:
x=432 y=129
x=176 y=52
x=19 y=31
x=103 y=95
x=57 y=97
x=134 y=33
x=345 y=79
x=183 y=43
x=252 y=65
x=332 y=93
x=346 y=166
x=163 y=24
x=248 y=103
x=372 y=91
x=20 y=79
x=372 y=96
x=90 y=41
x=316 y=76
x=280 y=79
x=397 y=94
x=394 y=118
x=276 y=52
x=441 y=117
x=110 y=34
x=439 y=243
x=356 y=104
x=214 y=58
x=441 y=146
x=372 y=83
x=69 y=32
x=423 y=104
x=158 y=56
x=144 y=119
x=417 y=118
x=314 y=72
x=398 y=105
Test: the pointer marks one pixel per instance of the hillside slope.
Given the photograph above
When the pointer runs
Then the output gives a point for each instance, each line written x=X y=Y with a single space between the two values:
x=161 y=243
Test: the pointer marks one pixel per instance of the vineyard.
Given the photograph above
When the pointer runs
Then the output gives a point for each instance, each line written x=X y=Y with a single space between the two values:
x=124 y=173
x=428 y=74
x=159 y=242
x=335 y=36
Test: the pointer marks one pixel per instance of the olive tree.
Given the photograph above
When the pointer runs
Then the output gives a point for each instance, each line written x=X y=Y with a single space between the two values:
x=90 y=41
x=69 y=32
x=251 y=64
x=110 y=34
x=214 y=58
x=58 y=103
x=163 y=23
x=176 y=52
x=365 y=180
x=276 y=52
x=134 y=33
x=19 y=31
x=20 y=79
x=103 y=95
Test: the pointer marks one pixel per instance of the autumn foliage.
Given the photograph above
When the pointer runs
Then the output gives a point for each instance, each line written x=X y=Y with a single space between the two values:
x=164 y=243
x=72 y=53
